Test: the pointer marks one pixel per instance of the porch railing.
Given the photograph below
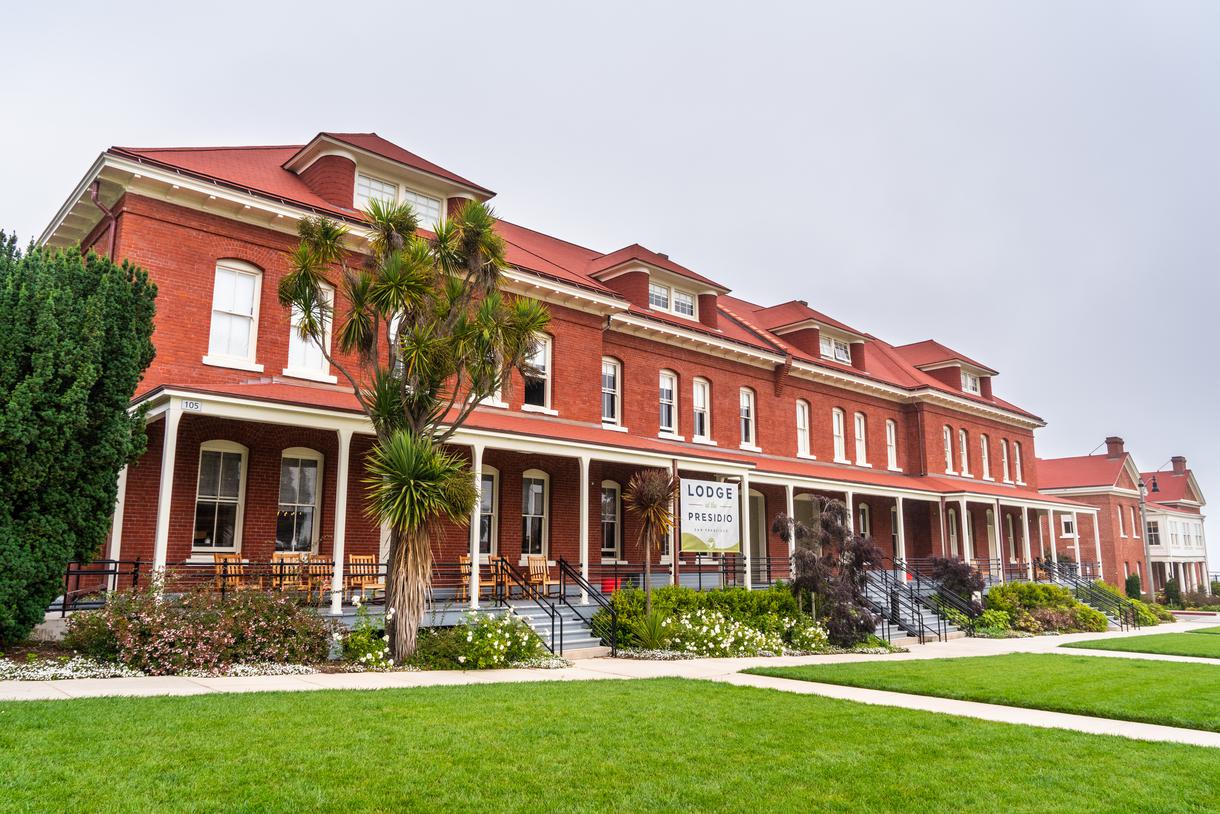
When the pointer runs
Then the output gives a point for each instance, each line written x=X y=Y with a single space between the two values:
x=1121 y=610
x=86 y=584
x=568 y=575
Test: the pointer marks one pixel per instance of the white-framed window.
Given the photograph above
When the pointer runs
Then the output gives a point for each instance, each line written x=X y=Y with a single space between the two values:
x=220 y=495
x=667 y=400
x=894 y=530
x=985 y=456
x=672 y=300
x=658 y=296
x=947 y=441
x=1004 y=470
x=611 y=519
x=538 y=374
x=861 y=429
x=489 y=510
x=1154 y=532
x=1012 y=539
x=427 y=209
x=612 y=390
x=802 y=428
x=835 y=349
x=970 y=383
x=369 y=187
x=745 y=400
x=952 y=524
x=1122 y=529
x=963 y=450
x=296 y=519
x=701 y=405
x=305 y=356
x=233 y=335
x=1068 y=525
x=1016 y=451
x=1135 y=529
x=864 y=519
x=838 y=420
x=891 y=444
x=535 y=507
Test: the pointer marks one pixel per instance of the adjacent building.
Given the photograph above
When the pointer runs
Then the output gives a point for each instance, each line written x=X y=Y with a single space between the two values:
x=1177 y=547
x=256 y=447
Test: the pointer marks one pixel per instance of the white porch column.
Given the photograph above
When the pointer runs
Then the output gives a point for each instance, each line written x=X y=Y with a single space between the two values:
x=967 y=541
x=1050 y=526
x=1025 y=550
x=341 y=463
x=584 y=526
x=115 y=547
x=790 y=511
x=999 y=552
x=1076 y=538
x=746 y=527
x=944 y=535
x=476 y=472
x=1097 y=545
x=850 y=499
x=900 y=551
x=165 y=491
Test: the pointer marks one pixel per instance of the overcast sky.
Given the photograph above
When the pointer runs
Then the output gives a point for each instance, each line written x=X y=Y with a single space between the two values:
x=1034 y=184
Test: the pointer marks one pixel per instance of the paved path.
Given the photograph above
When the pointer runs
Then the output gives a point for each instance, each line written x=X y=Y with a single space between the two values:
x=726 y=670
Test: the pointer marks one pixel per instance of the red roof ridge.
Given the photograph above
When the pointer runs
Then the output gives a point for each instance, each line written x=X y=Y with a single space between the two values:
x=211 y=148
x=764 y=336
x=574 y=245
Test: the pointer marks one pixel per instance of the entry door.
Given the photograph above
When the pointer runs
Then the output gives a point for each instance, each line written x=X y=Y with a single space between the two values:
x=758 y=536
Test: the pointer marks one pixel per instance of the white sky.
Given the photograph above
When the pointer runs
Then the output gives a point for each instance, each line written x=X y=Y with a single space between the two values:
x=1031 y=183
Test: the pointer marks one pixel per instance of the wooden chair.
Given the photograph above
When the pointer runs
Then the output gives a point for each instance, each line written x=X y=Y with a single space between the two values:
x=230 y=572
x=318 y=573
x=463 y=587
x=364 y=574
x=539 y=575
x=501 y=584
x=287 y=569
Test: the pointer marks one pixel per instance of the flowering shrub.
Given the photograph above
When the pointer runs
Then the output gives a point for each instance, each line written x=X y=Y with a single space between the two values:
x=367 y=645
x=56 y=669
x=710 y=633
x=481 y=642
x=164 y=634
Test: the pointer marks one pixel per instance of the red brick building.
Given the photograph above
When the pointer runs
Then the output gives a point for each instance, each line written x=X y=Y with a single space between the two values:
x=256 y=446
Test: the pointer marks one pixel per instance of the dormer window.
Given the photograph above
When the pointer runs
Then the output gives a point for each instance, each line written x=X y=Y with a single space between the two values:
x=836 y=349
x=970 y=383
x=426 y=208
x=672 y=300
x=368 y=188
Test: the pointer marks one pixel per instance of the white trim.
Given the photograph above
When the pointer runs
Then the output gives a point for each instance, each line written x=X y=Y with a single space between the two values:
x=548 y=349
x=232 y=364
x=618 y=522
x=537 y=474
x=232 y=447
x=706 y=437
x=238 y=268
x=305 y=454
x=534 y=408
x=493 y=542
x=669 y=430
x=859 y=424
x=747 y=402
x=616 y=393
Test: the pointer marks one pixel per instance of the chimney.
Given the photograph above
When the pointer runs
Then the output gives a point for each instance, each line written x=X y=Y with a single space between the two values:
x=857 y=356
x=1179 y=464
x=985 y=387
x=1114 y=447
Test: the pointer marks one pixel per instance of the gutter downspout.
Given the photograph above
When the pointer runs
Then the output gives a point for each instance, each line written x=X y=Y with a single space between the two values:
x=111 y=220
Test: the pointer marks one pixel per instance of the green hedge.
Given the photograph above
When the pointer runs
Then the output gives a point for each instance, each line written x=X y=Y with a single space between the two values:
x=1036 y=607
x=1143 y=613
x=758 y=609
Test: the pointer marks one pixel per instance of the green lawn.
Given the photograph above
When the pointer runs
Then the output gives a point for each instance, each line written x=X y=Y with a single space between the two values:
x=1168 y=644
x=1214 y=630
x=1158 y=692
x=666 y=744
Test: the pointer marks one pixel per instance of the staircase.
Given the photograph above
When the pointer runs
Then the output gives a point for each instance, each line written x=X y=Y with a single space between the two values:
x=1119 y=613
x=573 y=637
x=909 y=615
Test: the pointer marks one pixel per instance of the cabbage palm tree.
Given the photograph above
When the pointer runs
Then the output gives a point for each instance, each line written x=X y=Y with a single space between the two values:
x=649 y=496
x=425 y=334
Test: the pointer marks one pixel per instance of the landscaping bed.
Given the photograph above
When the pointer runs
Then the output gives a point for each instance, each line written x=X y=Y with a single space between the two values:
x=1198 y=644
x=1155 y=692
x=667 y=744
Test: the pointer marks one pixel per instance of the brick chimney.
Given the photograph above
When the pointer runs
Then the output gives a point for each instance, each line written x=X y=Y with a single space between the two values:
x=1179 y=464
x=1114 y=447
x=333 y=178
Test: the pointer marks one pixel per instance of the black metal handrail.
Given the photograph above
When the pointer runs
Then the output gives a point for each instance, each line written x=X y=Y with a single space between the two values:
x=507 y=576
x=902 y=607
x=1121 y=610
x=568 y=573
x=935 y=596
x=116 y=569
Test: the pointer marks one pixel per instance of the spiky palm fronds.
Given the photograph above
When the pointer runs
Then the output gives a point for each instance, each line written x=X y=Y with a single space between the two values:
x=649 y=496
x=390 y=226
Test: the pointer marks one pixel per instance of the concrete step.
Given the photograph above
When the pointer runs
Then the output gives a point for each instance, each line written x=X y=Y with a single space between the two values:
x=576 y=654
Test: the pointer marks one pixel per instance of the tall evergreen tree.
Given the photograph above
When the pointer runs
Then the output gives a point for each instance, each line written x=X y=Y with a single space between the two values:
x=75 y=339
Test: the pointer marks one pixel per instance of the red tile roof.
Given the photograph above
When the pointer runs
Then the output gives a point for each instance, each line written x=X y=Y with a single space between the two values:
x=794 y=311
x=373 y=143
x=1079 y=471
x=930 y=352
x=637 y=252
x=1171 y=486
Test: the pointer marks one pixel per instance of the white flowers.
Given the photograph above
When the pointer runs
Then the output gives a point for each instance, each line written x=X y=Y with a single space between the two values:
x=385 y=638
x=53 y=670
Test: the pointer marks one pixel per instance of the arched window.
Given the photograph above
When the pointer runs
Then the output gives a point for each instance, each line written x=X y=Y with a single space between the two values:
x=234 y=329
x=963 y=451
x=1122 y=529
x=1004 y=460
x=947 y=441
x=861 y=440
x=701 y=407
x=985 y=456
x=667 y=400
x=489 y=510
x=746 y=411
x=1135 y=529
x=865 y=519
x=535 y=508
x=612 y=391
x=802 y=427
x=538 y=380
x=296 y=521
x=952 y=524
x=1016 y=450
x=891 y=444
x=611 y=520
x=838 y=419
x=220 y=496
x=305 y=356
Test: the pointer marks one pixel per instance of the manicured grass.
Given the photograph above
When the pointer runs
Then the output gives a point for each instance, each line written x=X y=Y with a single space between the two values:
x=1157 y=692
x=1213 y=630
x=666 y=744
x=1166 y=644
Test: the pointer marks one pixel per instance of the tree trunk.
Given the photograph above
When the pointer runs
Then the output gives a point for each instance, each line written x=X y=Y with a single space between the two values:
x=408 y=583
x=648 y=577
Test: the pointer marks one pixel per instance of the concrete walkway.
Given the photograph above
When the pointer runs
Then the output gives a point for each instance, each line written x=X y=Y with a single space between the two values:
x=725 y=670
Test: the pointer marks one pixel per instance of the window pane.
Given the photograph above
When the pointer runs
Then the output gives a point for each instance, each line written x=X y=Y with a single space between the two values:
x=304 y=532
x=243 y=294
x=226 y=525
x=230 y=474
x=531 y=535
x=223 y=296
x=487 y=494
x=684 y=303
x=426 y=208
x=289 y=474
x=209 y=474
x=485 y=534
x=205 y=524
x=285 y=529
x=535 y=391
x=309 y=482
x=658 y=296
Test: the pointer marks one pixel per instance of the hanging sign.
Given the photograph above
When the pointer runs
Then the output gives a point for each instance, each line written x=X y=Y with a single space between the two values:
x=708 y=516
